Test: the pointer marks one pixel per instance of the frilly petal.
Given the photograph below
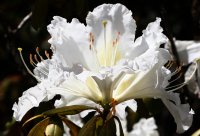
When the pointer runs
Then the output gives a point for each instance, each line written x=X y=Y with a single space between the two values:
x=153 y=34
x=29 y=99
x=181 y=112
x=145 y=127
x=119 y=21
x=71 y=41
x=188 y=51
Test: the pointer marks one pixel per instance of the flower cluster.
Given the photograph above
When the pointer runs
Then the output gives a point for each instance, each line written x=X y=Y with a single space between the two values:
x=102 y=65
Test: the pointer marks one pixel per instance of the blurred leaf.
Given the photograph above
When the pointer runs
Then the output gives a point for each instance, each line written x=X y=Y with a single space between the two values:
x=68 y=110
x=120 y=126
x=109 y=128
x=73 y=127
x=89 y=128
x=39 y=128
x=39 y=13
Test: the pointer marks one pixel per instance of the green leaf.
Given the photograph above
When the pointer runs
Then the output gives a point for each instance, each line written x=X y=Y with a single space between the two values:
x=39 y=128
x=73 y=127
x=33 y=118
x=120 y=126
x=67 y=110
x=109 y=128
x=89 y=129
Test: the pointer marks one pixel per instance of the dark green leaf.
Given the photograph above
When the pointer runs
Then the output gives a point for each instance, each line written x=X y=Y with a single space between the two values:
x=120 y=126
x=89 y=129
x=39 y=128
x=109 y=128
x=67 y=110
x=73 y=127
x=33 y=118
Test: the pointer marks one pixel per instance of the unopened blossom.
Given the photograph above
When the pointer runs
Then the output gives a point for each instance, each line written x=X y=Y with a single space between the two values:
x=103 y=64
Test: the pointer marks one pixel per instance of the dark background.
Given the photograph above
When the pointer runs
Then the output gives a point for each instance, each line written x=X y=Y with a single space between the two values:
x=180 y=19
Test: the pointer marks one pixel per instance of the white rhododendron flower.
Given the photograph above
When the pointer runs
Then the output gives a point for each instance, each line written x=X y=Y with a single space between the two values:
x=194 y=84
x=145 y=127
x=188 y=51
x=103 y=64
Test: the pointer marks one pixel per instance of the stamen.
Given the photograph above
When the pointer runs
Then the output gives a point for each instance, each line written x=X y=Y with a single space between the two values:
x=169 y=65
x=47 y=54
x=92 y=48
x=178 y=86
x=38 y=53
x=35 y=57
x=105 y=48
x=29 y=71
x=176 y=78
x=115 y=45
x=31 y=60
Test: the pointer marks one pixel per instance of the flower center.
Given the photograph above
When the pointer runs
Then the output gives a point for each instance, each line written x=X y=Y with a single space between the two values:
x=105 y=51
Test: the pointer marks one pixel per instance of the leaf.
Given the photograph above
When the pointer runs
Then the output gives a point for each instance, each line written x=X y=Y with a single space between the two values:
x=67 y=110
x=89 y=128
x=109 y=128
x=120 y=126
x=33 y=118
x=73 y=127
x=39 y=128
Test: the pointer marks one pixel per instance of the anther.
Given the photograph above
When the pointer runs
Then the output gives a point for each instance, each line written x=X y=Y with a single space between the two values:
x=29 y=71
x=31 y=60
x=104 y=22
x=47 y=54
x=35 y=57
x=38 y=53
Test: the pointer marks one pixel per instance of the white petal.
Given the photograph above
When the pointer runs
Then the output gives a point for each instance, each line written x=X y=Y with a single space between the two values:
x=71 y=41
x=29 y=99
x=153 y=34
x=120 y=108
x=145 y=127
x=188 y=51
x=76 y=87
x=181 y=112
x=138 y=85
x=118 y=21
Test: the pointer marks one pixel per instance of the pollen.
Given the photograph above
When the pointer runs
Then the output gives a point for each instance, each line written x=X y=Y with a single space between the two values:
x=19 y=49
x=104 y=22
